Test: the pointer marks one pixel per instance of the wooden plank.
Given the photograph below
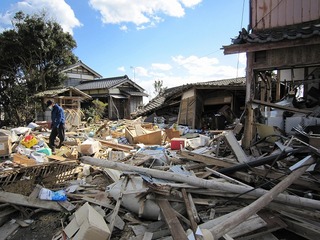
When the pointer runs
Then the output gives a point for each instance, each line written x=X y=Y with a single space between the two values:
x=57 y=158
x=192 y=220
x=267 y=236
x=117 y=207
x=203 y=183
x=35 y=192
x=139 y=130
x=227 y=237
x=235 y=147
x=193 y=208
x=307 y=183
x=274 y=223
x=118 y=223
x=147 y=236
x=172 y=221
x=251 y=224
x=5 y=214
x=117 y=146
x=277 y=106
x=7 y=229
x=226 y=226
x=209 y=160
x=67 y=205
x=304 y=229
x=19 y=199
x=97 y=202
x=304 y=213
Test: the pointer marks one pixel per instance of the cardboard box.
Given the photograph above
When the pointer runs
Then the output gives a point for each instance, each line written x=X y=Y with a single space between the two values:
x=5 y=145
x=138 y=134
x=177 y=143
x=23 y=160
x=89 y=147
x=87 y=224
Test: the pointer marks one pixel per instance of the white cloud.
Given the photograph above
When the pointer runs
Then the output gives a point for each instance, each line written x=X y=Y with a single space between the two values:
x=191 y=69
x=191 y=3
x=141 y=71
x=57 y=10
x=197 y=65
x=124 y=28
x=143 y=13
x=161 y=66
x=121 y=69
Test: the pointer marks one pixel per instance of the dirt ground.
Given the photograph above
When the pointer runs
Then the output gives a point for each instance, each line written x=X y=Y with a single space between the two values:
x=44 y=226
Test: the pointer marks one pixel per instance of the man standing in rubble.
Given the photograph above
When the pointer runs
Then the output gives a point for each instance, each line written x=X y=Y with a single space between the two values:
x=57 y=124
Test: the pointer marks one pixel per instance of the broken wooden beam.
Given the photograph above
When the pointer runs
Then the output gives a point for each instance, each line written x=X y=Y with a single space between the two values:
x=224 y=227
x=209 y=160
x=235 y=147
x=117 y=146
x=277 y=106
x=190 y=214
x=198 y=182
x=19 y=199
x=172 y=221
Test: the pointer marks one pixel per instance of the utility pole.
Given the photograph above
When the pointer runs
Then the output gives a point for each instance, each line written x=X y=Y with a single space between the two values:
x=134 y=73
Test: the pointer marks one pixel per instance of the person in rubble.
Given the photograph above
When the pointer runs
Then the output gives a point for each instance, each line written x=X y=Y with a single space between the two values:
x=57 y=124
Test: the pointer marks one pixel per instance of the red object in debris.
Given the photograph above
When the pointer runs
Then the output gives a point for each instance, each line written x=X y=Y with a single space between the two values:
x=28 y=138
x=177 y=143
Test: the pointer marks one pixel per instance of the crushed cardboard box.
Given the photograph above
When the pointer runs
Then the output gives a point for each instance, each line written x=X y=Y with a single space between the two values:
x=87 y=224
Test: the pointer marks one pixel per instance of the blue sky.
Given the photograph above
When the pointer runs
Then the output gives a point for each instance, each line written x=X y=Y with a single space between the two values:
x=176 y=41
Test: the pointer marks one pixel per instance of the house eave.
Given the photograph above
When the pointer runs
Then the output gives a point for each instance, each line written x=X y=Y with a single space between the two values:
x=254 y=47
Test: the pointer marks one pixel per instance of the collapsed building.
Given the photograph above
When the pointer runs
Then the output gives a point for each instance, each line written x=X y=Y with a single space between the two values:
x=205 y=105
x=112 y=180
x=282 y=47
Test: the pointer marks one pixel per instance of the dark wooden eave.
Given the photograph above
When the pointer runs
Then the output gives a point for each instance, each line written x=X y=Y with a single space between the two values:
x=255 y=47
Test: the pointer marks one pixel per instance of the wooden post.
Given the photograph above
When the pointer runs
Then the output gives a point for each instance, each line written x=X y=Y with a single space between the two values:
x=117 y=207
x=278 y=89
x=193 y=223
x=224 y=227
x=172 y=221
x=248 y=127
x=247 y=137
x=198 y=182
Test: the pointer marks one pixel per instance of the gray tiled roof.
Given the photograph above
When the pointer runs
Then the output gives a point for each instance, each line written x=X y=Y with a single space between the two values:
x=276 y=35
x=104 y=83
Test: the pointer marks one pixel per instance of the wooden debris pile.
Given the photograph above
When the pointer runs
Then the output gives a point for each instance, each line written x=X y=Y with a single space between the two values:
x=130 y=180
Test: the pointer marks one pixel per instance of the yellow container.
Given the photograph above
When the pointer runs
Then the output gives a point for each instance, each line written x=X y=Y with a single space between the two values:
x=29 y=143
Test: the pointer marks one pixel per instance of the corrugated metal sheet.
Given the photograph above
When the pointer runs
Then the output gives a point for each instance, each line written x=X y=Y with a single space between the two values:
x=267 y=14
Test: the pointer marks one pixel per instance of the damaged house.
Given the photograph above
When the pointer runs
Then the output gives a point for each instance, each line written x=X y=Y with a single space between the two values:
x=121 y=93
x=209 y=105
x=283 y=66
x=79 y=72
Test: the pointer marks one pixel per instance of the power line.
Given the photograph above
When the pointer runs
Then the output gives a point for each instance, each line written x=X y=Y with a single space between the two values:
x=242 y=14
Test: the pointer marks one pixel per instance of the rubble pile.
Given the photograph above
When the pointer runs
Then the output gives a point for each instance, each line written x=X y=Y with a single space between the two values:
x=129 y=179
